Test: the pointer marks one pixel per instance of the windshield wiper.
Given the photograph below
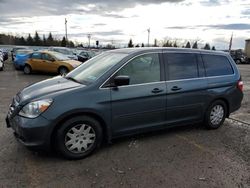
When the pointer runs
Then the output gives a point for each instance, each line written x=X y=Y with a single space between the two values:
x=73 y=79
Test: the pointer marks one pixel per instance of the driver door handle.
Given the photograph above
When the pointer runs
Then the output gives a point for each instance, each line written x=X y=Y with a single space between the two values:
x=176 y=88
x=157 y=90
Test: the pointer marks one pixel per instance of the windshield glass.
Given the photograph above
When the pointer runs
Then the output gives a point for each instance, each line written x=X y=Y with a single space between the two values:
x=94 y=68
x=23 y=52
x=60 y=57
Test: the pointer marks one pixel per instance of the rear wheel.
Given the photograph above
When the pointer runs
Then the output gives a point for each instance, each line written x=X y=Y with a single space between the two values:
x=216 y=114
x=27 y=69
x=78 y=137
x=63 y=70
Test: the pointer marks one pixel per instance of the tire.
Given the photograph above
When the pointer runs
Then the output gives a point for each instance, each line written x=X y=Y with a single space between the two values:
x=63 y=70
x=78 y=137
x=215 y=114
x=238 y=61
x=27 y=69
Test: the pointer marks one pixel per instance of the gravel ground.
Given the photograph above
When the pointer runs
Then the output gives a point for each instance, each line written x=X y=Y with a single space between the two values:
x=179 y=157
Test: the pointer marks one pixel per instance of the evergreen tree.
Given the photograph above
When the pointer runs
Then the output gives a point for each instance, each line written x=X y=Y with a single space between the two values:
x=213 y=48
x=195 y=45
x=207 y=47
x=63 y=43
x=155 y=43
x=130 y=44
x=29 y=40
x=37 y=39
x=175 y=44
x=188 y=45
x=50 y=40
x=22 y=41
x=142 y=45
x=44 y=41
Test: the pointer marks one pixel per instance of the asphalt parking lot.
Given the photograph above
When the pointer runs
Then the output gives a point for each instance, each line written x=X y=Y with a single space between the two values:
x=179 y=157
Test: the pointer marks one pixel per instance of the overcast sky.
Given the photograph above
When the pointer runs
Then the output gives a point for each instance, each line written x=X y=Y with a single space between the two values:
x=115 y=21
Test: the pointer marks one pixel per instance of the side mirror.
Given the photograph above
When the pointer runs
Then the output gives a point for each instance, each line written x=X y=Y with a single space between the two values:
x=121 y=80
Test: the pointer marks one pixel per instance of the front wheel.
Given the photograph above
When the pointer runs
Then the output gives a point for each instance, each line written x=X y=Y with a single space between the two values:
x=216 y=114
x=78 y=137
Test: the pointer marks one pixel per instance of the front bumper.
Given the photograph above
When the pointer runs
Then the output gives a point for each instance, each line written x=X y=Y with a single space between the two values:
x=33 y=133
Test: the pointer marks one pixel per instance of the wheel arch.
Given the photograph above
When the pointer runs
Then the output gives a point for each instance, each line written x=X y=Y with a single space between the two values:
x=225 y=101
x=62 y=66
x=106 y=132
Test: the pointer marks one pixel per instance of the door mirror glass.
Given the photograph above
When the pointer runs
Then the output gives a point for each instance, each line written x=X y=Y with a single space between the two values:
x=121 y=80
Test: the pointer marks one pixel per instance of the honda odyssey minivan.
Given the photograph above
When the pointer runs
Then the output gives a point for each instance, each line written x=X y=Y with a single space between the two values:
x=124 y=92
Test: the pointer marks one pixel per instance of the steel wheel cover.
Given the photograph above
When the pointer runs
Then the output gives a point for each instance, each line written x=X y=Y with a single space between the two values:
x=80 y=138
x=216 y=115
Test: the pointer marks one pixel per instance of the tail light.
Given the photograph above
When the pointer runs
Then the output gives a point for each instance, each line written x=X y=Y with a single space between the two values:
x=240 y=85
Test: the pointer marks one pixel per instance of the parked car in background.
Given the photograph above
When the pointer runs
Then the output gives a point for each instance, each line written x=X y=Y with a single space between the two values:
x=21 y=58
x=50 y=62
x=125 y=92
x=66 y=51
x=238 y=56
x=85 y=55
x=5 y=54
x=13 y=52
x=1 y=60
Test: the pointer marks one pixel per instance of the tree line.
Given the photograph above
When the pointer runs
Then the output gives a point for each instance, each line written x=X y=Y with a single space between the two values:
x=36 y=40
x=170 y=43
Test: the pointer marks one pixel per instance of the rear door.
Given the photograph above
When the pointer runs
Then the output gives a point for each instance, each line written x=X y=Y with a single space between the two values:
x=142 y=103
x=35 y=61
x=186 y=87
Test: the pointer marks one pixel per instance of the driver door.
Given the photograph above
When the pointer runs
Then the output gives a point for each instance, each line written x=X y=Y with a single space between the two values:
x=48 y=63
x=142 y=103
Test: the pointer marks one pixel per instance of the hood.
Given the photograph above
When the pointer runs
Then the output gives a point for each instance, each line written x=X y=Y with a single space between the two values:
x=73 y=63
x=46 y=87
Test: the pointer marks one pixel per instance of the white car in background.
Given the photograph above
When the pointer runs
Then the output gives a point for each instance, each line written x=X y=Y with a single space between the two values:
x=1 y=61
x=66 y=51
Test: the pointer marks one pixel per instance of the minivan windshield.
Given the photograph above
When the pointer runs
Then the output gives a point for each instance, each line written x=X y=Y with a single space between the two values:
x=94 y=68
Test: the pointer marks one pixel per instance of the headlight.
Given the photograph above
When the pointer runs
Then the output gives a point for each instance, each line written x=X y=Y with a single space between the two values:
x=35 y=108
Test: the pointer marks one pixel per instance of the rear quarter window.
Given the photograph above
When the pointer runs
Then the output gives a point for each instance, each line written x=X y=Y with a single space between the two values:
x=181 y=65
x=217 y=65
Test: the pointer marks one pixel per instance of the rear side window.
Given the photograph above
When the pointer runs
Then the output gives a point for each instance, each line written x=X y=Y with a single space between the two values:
x=181 y=65
x=216 y=65
x=36 y=55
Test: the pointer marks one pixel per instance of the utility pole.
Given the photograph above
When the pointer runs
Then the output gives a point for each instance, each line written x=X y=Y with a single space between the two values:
x=89 y=37
x=66 y=35
x=230 y=43
x=148 y=35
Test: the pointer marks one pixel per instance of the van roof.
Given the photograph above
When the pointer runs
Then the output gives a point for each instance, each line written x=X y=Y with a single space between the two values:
x=152 y=49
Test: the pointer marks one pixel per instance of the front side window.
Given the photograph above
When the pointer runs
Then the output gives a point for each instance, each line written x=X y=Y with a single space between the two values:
x=217 y=65
x=47 y=57
x=181 y=65
x=142 y=69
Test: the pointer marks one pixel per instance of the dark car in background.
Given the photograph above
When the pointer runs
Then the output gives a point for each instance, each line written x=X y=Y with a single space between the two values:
x=238 y=56
x=125 y=92
x=85 y=55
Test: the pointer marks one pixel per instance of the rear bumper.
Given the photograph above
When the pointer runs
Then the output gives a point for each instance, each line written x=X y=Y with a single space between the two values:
x=32 y=133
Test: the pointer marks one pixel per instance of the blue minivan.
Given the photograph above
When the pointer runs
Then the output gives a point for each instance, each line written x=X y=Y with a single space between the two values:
x=125 y=92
